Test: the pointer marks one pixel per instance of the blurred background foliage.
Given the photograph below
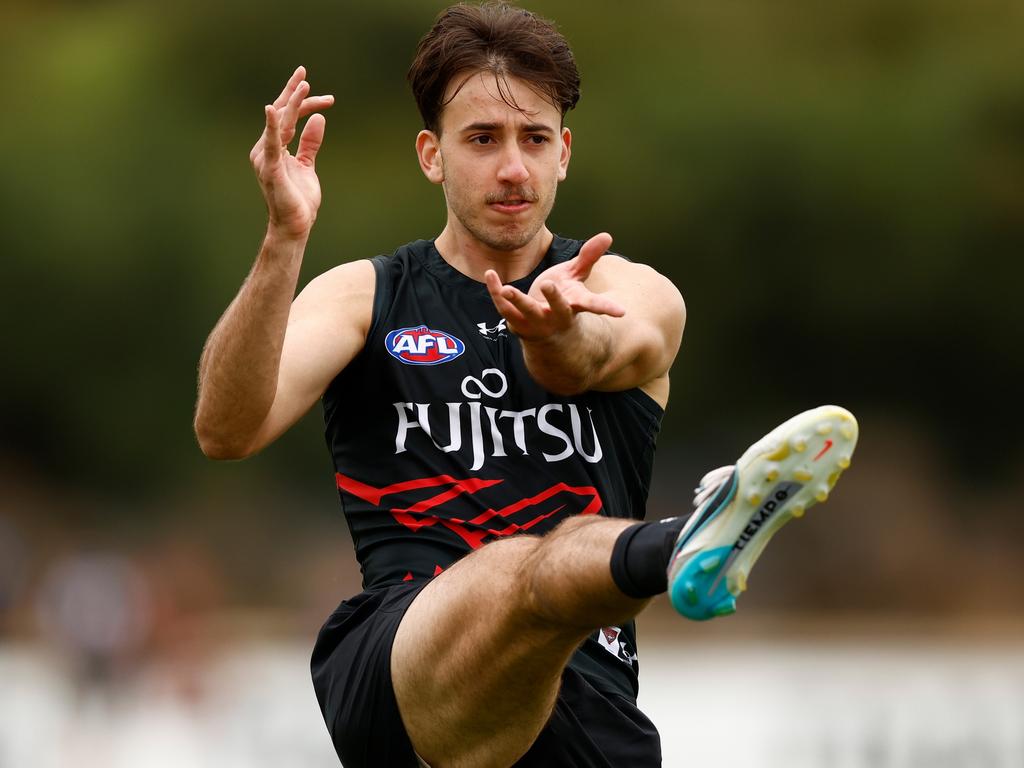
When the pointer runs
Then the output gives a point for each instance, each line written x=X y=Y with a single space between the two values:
x=837 y=189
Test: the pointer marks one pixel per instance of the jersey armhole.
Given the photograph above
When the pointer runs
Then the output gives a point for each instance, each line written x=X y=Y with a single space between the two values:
x=646 y=403
x=382 y=293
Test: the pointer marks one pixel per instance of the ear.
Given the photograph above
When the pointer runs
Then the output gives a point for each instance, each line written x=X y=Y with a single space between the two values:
x=428 y=150
x=563 y=161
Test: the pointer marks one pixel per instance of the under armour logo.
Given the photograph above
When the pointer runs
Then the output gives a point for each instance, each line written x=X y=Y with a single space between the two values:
x=492 y=334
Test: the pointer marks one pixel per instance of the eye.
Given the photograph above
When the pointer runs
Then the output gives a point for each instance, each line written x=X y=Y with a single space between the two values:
x=482 y=140
x=537 y=139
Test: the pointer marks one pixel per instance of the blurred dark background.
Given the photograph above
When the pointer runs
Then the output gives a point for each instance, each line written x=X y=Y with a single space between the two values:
x=838 y=191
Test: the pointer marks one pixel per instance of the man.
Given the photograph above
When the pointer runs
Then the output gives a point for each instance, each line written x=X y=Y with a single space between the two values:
x=491 y=399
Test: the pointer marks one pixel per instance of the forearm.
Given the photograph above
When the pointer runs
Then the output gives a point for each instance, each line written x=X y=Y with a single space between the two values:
x=569 y=362
x=238 y=370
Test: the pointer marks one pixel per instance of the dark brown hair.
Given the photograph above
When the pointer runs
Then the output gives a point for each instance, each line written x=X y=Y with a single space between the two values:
x=493 y=37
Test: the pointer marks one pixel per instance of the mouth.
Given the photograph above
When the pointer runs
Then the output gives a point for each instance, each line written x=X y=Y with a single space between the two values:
x=511 y=205
x=511 y=200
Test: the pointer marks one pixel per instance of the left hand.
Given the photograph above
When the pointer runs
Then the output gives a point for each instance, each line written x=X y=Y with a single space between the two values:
x=290 y=185
x=556 y=296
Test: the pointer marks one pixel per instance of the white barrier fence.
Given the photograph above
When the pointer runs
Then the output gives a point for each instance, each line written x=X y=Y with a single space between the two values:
x=775 y=705
x=810 y=706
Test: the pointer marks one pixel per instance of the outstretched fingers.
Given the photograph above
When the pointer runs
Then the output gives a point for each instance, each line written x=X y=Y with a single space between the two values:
x=598 y=304
x=310 y=140
x=561 y=310
x=527 y=316
x=282 y=118
x=290 y=114
x=293 y=82
x=271 y=139
x=504 y=306
x=313 y=104
x=590 y=252
x=531 y=310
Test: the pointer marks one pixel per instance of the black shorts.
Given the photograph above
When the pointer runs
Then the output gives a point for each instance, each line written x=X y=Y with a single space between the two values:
x=351 y=666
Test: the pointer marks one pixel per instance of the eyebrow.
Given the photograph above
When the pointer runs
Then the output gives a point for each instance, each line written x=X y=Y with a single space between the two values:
x=528 y=128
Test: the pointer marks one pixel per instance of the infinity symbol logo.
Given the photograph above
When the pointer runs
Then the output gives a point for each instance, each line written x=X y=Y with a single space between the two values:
x=481 y=388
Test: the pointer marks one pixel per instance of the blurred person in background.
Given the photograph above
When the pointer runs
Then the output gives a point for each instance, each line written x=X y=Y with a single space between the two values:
x=492 y=399
x=96 y=606
x=13 y=568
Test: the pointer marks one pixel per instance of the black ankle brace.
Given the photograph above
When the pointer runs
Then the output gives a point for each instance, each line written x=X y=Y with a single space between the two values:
x=641 y=554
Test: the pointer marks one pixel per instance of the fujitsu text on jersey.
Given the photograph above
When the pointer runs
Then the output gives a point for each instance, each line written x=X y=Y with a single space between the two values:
x=554 y=430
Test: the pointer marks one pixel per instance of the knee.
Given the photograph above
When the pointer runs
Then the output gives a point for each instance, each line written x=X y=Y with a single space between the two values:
x=507 y=554
x=505 y=561
x=558 y=574
x=541 y=573
x=575 y=523
x=533 y=575
x=511 y=566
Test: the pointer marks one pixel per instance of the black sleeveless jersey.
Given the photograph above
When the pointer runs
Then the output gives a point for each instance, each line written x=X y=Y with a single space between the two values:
x=442 y=441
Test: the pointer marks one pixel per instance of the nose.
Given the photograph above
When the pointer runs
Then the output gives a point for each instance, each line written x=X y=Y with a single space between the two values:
x=512 y=169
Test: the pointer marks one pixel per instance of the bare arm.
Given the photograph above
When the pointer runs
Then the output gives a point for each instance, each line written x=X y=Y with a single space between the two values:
x=267 y=359
x=596 y=323
x=264 y=367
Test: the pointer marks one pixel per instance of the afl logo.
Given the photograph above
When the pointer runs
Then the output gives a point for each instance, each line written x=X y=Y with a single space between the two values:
x=422 y=346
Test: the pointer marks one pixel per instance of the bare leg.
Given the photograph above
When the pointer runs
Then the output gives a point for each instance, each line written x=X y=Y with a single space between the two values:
x=478 y=657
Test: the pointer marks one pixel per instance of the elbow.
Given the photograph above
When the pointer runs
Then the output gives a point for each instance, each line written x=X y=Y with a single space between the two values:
x=220 y=447
x=222 y=452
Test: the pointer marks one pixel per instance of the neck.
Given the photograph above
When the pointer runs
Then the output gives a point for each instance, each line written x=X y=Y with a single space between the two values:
x=473 y=258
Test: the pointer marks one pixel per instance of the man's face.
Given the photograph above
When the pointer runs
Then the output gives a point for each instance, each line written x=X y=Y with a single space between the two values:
x=500 y=166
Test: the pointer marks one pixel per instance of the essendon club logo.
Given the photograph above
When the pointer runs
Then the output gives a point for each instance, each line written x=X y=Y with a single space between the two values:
x=422 y=346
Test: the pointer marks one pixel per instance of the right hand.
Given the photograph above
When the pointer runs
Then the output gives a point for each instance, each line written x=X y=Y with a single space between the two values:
x=289 y=183
x=557 y=295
